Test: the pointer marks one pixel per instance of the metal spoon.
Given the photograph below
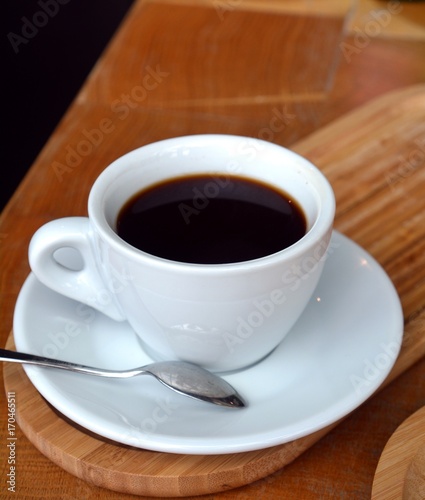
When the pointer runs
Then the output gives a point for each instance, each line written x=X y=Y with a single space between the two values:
x=185 y=378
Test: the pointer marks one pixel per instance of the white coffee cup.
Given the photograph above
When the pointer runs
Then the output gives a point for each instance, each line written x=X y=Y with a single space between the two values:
x=221 y=316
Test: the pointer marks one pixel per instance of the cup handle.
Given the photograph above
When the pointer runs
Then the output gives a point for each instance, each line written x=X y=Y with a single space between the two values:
x=83 y=285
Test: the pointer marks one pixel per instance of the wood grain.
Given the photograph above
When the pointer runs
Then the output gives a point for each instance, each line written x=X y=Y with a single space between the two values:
x=309 y=82
x=355 y=145
x=401 y=468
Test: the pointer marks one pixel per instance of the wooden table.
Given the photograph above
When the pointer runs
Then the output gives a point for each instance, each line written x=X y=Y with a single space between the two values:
x=274 y=69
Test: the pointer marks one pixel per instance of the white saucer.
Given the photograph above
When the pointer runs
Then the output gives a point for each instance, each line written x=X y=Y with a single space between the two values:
x=335 y=357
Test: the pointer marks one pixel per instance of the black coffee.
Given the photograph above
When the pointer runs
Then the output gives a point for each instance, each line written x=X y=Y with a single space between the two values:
x=209 y=219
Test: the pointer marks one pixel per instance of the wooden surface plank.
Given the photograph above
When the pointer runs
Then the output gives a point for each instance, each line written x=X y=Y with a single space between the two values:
x=342 y=464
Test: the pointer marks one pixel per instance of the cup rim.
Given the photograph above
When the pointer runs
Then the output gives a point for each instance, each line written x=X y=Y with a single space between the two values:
x=96 y=204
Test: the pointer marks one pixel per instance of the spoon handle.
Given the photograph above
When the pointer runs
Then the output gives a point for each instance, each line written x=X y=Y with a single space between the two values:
x=32 y=359
x=183 y=378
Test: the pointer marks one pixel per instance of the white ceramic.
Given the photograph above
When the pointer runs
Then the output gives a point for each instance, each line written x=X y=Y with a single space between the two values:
x=335 y=357
x=222 y=317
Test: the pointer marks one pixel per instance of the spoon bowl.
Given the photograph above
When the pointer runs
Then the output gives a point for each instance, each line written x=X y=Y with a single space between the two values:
x=181 y=377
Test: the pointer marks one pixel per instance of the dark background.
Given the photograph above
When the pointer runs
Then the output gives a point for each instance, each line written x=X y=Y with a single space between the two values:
x=43 y=75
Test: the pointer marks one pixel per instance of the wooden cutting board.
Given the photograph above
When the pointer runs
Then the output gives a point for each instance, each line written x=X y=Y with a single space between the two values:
x=375 y=159
x=401 y=468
